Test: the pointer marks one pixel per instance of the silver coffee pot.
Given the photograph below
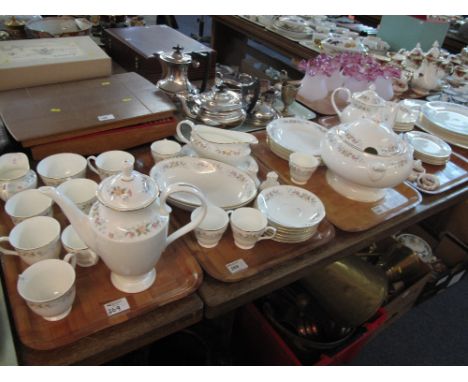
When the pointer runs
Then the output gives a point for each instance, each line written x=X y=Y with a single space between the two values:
x=175 y=65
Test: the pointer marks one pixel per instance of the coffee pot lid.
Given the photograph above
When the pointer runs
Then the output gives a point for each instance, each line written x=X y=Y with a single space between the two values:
x=176 y=56
x=127 y=191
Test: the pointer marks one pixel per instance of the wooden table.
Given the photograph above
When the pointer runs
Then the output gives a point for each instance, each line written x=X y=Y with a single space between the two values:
x=214 y=299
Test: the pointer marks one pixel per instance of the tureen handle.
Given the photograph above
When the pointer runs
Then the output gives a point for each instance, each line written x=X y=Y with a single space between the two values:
x=348 y=99
x=180 y=135
x=188 y=188
x=376 y=171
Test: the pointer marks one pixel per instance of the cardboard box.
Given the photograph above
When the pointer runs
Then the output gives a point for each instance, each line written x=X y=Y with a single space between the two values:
x=34 y=62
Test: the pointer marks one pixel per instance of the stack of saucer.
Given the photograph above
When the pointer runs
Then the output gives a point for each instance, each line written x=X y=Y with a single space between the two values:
x=429 y=148
x=293 y=211
x=406 y=118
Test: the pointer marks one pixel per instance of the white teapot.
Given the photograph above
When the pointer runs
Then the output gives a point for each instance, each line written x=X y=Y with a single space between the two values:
x=128 y=225
x=366 y=104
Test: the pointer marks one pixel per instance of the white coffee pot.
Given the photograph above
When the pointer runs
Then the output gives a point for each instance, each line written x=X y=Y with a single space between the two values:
x=128 y=225
x=366 y=105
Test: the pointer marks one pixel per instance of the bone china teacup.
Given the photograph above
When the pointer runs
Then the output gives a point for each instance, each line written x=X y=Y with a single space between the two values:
x=212 y=227
x=28 y=203
x=248 y=226
x=80 y=191
x=34 y=239
x=48 y=287
x=109 y=163
x=72 y=243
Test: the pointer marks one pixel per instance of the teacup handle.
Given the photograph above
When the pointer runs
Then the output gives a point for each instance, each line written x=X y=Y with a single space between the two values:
x=180 y=135
x=92 y=168
x=70 y=258
x=7 y=251
x=269 y=233
x=184 y=187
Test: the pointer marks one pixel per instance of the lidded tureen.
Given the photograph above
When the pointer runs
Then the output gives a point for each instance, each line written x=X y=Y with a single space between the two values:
x=128 y=225
x=364 y=158
x=217 y=107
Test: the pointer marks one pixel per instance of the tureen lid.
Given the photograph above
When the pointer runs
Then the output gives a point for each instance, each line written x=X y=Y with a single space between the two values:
x=371 y=137
x=127 y=191
x=176 y=56
x=369 y=97
x=220 y=99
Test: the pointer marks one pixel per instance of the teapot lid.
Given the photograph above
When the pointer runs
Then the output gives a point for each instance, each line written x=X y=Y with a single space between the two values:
x=176 y=56
x=369 y=97
x=219 y=99
x=127 y=191
x=371 y=137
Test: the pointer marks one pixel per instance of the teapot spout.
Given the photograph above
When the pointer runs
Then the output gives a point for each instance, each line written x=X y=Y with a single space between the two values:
x=76 y=217
x=184 y=101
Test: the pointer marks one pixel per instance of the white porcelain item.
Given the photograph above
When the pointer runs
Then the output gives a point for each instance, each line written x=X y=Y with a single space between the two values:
x=418 y=245
x=364 y=158
x=249 y=226
x=56 y=169
x=302 y=166
x=214 y=143
x=109 y=163
x=26 y=204
x=429 y=147
x=291 y=207
x=210 y=231
x=80 y=191
x=48 y=287
x=451 y=117
x=164 y=149
x=128 y=225
x=72 y=243
x=295 y=134
x=223 y=185
x=35 y=239
x=364 y=104
x=15 y=175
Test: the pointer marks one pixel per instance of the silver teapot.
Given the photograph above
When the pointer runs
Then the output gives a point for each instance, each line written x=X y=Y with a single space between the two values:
x=217 y=107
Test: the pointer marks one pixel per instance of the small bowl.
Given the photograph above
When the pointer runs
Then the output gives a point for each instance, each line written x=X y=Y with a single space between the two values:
x=164 y=149
x=56 y=169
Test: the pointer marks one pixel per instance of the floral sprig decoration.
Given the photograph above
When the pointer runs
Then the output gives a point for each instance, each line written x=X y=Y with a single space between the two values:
x=356 y=65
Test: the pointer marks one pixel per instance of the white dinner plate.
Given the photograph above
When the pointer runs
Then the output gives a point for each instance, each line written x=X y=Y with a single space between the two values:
x=428 y=145
x=291 y=206
x=295 y=134
x=432 y=129
x=223 y=185
x=448 y=116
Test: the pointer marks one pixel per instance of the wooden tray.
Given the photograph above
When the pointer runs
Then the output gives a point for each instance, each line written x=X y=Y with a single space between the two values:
x=226 y=262
x=346 y=214
x=264 y=255
x=452 y=174
x=178 y=275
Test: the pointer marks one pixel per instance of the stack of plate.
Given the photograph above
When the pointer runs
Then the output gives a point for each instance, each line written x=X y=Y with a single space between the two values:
x=448 y=121
x=428 y=148
x=293 y=211
x=287 y=135
x=223 y=185
x=406 y=118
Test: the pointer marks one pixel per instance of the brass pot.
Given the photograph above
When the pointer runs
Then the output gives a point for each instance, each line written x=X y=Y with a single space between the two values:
x=349 y=290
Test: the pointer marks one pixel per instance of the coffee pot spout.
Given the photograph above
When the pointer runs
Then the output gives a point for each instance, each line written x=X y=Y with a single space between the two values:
x=76 y=217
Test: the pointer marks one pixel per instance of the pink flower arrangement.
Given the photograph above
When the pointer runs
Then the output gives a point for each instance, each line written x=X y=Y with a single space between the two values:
x=355 y=65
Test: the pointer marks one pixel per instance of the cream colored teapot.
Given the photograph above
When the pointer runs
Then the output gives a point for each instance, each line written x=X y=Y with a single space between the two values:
x=128 y=225
x=366 y=105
